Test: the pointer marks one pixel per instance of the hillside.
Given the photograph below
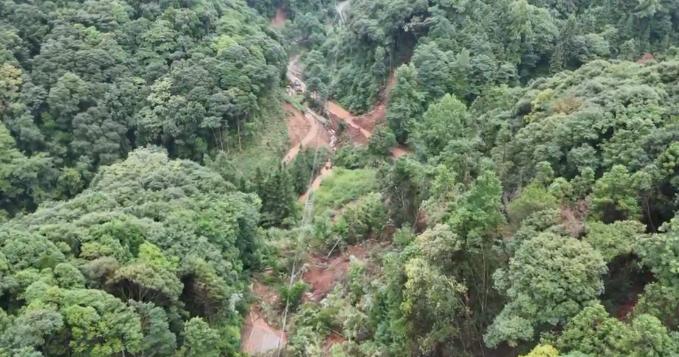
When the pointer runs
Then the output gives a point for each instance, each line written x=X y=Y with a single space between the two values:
x=355 y=178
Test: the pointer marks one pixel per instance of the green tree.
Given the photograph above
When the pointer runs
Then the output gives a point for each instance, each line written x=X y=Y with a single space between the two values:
x=614 y=196
x=444 y=121
x=158 y=339
x=381 y=141
x=200 y=339
x=615 y=239
x=565 y=274
x=594 y=332
x=405 y=105
x=432 y=304
x=533 y=198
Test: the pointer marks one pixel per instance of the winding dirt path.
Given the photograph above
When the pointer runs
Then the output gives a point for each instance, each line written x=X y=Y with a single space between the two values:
x=307 y=129
x=316 y=135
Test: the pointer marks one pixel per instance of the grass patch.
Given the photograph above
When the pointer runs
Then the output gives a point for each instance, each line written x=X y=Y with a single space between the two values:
x=344 y=186
x=268 y=144
x=295 y=101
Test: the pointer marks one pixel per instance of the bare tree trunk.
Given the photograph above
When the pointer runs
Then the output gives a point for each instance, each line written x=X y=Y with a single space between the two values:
x=240 y=146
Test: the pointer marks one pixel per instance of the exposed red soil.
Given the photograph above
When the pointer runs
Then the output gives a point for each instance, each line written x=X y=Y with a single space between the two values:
x=361 y=127
x=378 y=114
x=333 y=339
x=304 y=132
x=278 y=20
x=259 y=337
x=323 y=273
x=265 y=294
x=573 y=218
x=626 y=309
x=398 y=151
x=647 y=57
x=357 y=134
x=298 y=125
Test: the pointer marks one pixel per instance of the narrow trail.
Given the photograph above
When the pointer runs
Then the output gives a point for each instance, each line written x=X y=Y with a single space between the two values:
x=316 y=136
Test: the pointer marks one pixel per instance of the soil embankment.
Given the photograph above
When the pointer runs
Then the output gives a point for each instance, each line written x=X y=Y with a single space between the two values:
x=258 y=337
x=322 y=274
x=304 y=131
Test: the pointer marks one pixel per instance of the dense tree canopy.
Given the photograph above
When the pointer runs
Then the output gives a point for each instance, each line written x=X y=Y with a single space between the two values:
x=151 y=239
x=83 y=84
x=515 y=190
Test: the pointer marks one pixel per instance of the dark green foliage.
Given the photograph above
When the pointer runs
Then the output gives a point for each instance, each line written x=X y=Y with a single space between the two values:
x=403 y=188
x=405 y=104
x=24 y=181
x=277 y=192
x=306 y=165
x=463 y=48
x=351 y=157
x=593 y=332
x=381 y=141
x=538 y=206
x=360 y=220
x=291 y=296
x=161 y=239
x=85 y=84
x=200 y=339
x=532 y=199
x=565 y=274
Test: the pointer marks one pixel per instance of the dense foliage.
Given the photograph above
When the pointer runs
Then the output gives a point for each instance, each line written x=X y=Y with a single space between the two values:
x=463 y=47
x=145 y=208
x=85 y=83
x=124 y=266
x=538 y=210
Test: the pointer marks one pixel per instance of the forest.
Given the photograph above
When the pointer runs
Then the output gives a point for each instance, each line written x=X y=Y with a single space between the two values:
x=367 y=178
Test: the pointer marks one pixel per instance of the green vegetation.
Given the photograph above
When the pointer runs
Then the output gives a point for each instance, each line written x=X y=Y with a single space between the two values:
x=145 y=209
x=169 y=236
x=344 y=186
x=84 y=84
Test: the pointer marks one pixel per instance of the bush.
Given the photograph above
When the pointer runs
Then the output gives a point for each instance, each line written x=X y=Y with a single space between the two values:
x=344 y=186
x=351 y=157
x=364 y=218
x=305 y=166
x=292 y=295
x=381 y=141
x=532 y=199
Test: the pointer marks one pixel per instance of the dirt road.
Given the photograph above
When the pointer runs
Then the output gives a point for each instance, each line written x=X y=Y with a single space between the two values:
x=308 y=129
x=314 y=134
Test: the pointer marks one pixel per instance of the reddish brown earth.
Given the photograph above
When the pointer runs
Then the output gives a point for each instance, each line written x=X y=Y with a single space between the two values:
x=360 y=127
x=399 y=151
x=647 y=57
x=279 y=19
x=323 y=273
x=333 y=339
x=304 y=132
x=378 y=114
x=259 y=337
x=298 y=125
x=264 y=293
